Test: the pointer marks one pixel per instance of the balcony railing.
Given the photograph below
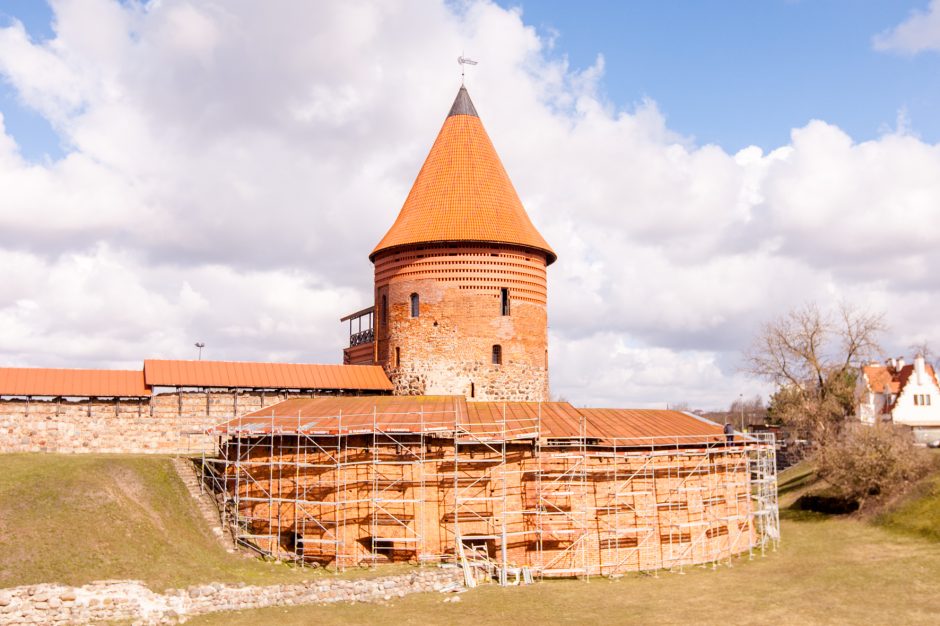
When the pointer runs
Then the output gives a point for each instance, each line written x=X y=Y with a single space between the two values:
x=360 y=327
x=361 y=337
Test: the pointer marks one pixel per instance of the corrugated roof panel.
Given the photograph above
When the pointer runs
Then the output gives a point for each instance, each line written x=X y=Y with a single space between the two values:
x=558 y=419
x=36 y=381
x=640 y=423
x=228 y=374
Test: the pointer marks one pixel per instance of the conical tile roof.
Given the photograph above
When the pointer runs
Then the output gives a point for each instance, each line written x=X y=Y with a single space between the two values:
x=462 y=193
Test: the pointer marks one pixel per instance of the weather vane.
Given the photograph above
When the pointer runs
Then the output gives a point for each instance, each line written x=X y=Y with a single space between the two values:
x=464 y=61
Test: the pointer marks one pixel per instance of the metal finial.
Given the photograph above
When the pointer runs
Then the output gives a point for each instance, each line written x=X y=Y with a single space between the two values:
x=464 y=61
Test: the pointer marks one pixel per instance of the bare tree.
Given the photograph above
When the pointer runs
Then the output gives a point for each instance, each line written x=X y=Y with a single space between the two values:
x=812 y=356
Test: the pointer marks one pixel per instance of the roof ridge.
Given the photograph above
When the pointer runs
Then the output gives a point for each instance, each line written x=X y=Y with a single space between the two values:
x=258 y=362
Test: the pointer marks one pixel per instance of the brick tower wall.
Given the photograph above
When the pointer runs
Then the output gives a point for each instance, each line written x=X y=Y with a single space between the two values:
x=448 y=348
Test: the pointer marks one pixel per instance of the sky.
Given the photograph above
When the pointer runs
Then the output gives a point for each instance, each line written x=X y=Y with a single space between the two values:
x=176 y=171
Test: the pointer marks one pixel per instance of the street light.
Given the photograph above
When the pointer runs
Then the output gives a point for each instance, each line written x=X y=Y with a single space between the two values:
x=200 y=345
x=741 y=403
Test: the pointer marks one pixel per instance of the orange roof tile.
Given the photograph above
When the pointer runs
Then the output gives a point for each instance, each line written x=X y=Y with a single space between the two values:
x=462 y=193
x=229 y=374
x=42 y=381
x=414 y=414
x=878 y=376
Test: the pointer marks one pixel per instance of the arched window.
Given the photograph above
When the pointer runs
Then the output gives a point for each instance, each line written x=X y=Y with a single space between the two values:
x=497 y=355
x=384 y=312
x=415 y=305
x=504 y=301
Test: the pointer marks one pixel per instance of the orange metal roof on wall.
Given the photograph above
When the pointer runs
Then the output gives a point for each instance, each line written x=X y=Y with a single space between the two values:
x=358 y=414
x=416 y=414
x=462 y=193
x=42 y=381
x=606 y=423
x=231 y=374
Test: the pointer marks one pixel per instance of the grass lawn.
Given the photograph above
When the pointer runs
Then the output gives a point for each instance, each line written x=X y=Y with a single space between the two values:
x=74 y=519
x=919 y=513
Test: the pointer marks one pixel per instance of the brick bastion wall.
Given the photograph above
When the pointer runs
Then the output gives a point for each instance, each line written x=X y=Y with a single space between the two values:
x=120 y=601
x=562 y=511
x=447 y=348
x=168 y=422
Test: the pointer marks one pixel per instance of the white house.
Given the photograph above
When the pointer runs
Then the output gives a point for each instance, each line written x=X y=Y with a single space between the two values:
x=903 y=394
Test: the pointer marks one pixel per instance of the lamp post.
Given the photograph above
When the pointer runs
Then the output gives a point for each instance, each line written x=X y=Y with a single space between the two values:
x=200 y=345
x=741 y=404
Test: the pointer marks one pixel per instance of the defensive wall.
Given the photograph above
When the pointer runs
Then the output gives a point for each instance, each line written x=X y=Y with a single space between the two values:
x=559 y=498
x=167 y=422
x=164 y=408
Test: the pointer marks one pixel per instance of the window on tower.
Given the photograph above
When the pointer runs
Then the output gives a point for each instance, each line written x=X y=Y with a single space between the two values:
x=415 y=305
x=397 y=357
x=497 y=355
x=384 y=310
x=504 y=301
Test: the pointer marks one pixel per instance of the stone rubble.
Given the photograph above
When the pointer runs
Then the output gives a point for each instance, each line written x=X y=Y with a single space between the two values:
x=131 y=600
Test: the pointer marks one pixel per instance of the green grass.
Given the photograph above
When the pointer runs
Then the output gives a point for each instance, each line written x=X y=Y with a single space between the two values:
x=794 y=482
x=919 y=513
x=75 y=519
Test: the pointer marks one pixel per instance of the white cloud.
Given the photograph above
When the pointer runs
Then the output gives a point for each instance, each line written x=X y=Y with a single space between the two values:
x=918 y=33
x=231 y=167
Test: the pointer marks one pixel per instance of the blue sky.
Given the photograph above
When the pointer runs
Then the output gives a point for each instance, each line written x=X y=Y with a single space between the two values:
x=37 y=140
x=734 y=73
x=745 y=72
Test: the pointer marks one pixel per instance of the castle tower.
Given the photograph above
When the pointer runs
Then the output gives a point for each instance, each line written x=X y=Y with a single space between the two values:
x=460 y=278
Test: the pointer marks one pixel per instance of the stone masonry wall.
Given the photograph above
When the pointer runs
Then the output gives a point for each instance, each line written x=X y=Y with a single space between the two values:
x=448 y=348
x=110 y=601
x=170 y=422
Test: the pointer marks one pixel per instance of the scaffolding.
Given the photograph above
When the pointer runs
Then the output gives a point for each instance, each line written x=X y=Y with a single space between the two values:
x=562 y=510
x=496 y=496
x=486 y=501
